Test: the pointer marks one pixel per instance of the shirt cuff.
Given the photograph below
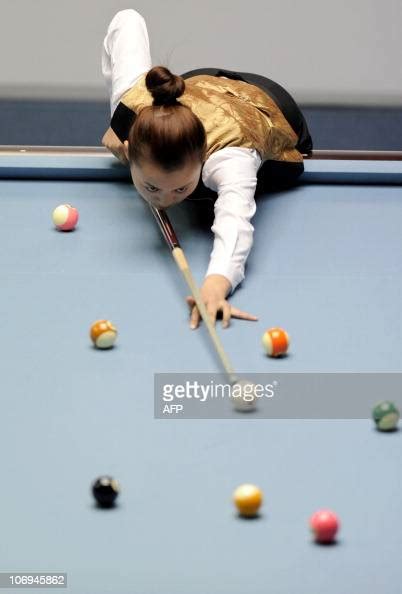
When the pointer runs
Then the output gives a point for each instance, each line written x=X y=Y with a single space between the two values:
x=232 y=272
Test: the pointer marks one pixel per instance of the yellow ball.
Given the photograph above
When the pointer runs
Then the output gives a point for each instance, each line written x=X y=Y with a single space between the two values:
x=248 y=499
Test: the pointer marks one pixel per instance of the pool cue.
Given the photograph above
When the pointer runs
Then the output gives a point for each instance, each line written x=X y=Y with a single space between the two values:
x=181 y=261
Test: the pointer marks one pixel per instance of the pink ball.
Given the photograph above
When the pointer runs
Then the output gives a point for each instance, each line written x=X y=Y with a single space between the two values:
x=324 y=524
x=65 y=217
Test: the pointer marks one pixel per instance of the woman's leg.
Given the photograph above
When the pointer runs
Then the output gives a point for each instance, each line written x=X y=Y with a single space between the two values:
x=125 y=54
x=278 y=175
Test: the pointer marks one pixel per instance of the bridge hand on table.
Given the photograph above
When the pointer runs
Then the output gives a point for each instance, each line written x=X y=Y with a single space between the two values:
x=213 y=293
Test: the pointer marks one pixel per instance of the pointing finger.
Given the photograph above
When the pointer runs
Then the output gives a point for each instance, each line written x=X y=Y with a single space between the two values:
x=242 y=315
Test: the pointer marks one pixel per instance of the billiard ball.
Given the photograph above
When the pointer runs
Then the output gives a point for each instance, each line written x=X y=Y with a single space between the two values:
x=65 y=217
x=324 y=525
x=105 y=489
x=243 y=396
x=103 y=334
x=276 y=342
x=248 y=499
x=386 y=416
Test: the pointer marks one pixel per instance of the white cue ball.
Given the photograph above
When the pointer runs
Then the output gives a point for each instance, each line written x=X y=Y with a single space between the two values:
x=243 y=396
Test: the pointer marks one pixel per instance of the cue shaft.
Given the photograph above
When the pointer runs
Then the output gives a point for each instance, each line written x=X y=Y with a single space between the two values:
x=166 y=227
x=181 y=261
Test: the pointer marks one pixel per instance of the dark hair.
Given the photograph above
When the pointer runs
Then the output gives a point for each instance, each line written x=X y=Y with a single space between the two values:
x=167 y=132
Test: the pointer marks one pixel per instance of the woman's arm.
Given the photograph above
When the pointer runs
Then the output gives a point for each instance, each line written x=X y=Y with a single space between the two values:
x=232 y=173
x=114 y=145
x=125 y=54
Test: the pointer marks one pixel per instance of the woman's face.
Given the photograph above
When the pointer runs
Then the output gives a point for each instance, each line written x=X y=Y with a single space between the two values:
x=162 y=189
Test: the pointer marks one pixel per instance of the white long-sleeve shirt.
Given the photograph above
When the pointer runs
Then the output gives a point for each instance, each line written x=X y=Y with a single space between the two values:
x=230 y=172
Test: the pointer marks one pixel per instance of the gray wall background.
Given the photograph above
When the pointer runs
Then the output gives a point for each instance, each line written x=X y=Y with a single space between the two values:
x=323 y=51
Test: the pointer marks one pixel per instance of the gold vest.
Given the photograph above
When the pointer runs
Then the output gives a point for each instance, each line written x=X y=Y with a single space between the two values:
x=233 y=112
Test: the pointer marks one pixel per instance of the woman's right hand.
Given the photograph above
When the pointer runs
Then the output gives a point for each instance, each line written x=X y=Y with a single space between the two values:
x=112 y=142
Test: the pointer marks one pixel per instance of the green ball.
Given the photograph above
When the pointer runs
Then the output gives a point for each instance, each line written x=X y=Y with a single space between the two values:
x=386 y=416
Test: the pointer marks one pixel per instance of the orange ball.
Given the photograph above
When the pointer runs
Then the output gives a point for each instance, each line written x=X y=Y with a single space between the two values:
x=276 y=342
x=103 y=334
x=248 y=499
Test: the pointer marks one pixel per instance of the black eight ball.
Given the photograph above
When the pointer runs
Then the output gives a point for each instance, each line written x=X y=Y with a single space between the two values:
x=105 y=490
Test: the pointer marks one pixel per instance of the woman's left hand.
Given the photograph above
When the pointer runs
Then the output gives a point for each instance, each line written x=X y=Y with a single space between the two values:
x=213 y=292
x=112 y=142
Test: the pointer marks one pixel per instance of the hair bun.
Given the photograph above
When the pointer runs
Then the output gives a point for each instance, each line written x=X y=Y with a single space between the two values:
x=164 y=86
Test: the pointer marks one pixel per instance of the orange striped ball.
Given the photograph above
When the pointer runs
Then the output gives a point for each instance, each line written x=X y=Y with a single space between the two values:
x=276 y=342
x=103 y=334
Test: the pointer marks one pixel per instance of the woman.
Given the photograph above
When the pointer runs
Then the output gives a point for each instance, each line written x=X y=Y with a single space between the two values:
x=209 y=129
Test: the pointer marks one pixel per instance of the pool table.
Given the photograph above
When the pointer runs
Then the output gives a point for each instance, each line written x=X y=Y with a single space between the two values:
x=326 y=265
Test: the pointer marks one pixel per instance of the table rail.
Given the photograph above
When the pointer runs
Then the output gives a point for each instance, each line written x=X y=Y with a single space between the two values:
x=97 y=163
x=333 y=155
